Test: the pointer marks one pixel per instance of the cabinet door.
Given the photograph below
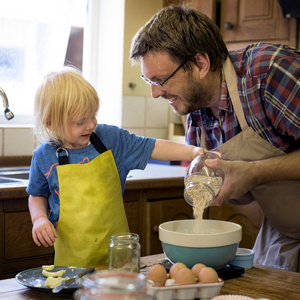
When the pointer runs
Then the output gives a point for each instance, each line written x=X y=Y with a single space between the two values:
x=244 y=22
x=160 y=211
x=18 y=239
x=132 y=209
x=208 y=7
x=248 y=216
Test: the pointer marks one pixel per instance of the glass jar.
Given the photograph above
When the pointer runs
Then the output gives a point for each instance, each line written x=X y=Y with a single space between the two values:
x=115 y=285
x=124 y=252
x=202 y=184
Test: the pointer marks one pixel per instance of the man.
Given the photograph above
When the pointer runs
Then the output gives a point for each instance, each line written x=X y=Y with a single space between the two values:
x=244 y=104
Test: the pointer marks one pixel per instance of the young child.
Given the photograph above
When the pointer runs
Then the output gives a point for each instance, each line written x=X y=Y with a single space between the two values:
x=79 y=171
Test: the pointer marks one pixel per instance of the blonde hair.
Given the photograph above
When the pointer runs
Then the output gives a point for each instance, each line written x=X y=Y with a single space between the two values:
x=62 y=96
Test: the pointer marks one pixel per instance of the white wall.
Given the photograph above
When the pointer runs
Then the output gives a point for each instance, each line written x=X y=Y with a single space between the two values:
x=142 y=114
x=137 y=111
x=16 y=142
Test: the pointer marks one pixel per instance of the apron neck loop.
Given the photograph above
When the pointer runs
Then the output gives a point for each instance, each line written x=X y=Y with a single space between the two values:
x=64 y=159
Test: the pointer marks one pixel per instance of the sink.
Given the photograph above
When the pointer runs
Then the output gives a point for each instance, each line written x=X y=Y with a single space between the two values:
x=14 y=176
x=4 y=180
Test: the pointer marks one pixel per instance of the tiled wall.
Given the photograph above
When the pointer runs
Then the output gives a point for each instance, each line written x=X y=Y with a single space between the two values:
x=16 y=141
x=141 y=115
x=147 y=116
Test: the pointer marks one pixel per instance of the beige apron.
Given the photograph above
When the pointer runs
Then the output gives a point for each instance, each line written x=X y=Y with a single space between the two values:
x=278 y=242
x=91 y=209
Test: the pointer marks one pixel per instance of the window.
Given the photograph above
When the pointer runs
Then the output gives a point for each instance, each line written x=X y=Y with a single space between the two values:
x=34 y=39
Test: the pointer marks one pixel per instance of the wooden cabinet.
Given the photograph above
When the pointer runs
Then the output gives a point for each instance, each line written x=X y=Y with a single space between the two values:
x=148 y=203
x=248 y=216
x=18 y=251
x=243 y=22
x=168 y=205
x=157 y=203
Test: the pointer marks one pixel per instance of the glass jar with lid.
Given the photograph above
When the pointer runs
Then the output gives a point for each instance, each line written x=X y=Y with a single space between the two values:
x=124 y=252
x=115 y=285
x=202 y=184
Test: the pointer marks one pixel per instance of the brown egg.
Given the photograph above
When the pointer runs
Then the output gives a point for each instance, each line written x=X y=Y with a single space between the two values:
x=185 y=276
x=208 y=275
x=158 y=274
x=197 y=268
x=175 y=268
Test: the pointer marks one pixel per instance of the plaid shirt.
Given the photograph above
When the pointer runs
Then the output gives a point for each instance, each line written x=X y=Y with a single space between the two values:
x=268 y=79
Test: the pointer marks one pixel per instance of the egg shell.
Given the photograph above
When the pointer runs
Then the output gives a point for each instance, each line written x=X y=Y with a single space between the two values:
x=208 y=275
x=197 y=268
x=175 y=268
x=158 y=274
x=185 y=276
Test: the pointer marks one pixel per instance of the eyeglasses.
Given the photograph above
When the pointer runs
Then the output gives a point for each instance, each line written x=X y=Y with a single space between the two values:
x=161 y=84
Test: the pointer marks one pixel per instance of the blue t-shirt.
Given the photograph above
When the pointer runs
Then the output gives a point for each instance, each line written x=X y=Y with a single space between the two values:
x=130 y=152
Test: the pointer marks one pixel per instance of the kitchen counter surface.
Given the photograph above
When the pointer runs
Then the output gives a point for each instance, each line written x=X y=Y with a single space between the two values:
x=157 y=171
x=154 y=176
x=258 y=282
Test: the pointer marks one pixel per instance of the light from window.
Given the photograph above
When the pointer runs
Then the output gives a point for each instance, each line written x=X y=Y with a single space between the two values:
x=34 y=37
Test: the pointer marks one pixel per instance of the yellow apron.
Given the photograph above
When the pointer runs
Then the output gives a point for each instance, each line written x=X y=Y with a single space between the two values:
x=91 y=210
x=278 y=242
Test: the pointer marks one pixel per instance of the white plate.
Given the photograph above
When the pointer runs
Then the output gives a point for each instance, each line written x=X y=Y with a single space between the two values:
x=33 y=278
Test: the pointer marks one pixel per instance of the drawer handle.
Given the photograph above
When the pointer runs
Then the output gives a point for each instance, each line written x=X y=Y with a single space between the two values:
x=228 y=26
x=155 y=228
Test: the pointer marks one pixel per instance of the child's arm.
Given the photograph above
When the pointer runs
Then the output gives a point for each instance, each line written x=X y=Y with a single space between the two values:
x=43 y=232
x=167 y=150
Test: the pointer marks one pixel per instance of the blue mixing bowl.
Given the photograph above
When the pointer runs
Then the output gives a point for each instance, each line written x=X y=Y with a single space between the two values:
x=215 y=245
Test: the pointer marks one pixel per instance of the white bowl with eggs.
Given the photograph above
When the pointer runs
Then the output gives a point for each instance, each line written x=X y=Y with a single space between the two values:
x=215 y=245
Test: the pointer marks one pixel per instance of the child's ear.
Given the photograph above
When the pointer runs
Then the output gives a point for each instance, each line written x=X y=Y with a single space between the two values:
x=48 y=124
x=203 y=63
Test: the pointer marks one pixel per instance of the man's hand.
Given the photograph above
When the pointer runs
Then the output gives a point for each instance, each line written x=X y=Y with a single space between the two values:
x=240 y=178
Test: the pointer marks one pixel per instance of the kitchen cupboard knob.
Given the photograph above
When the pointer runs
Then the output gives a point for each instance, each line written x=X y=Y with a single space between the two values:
x=228 y=26
x=155 y=228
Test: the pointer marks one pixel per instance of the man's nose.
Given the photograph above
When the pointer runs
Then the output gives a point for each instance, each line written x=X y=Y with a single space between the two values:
x=156 y=91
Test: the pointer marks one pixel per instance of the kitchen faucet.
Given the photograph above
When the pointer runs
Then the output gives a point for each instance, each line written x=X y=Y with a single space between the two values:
x=7 y=113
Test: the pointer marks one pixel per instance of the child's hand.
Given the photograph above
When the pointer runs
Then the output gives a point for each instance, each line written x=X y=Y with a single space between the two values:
x=43 y=232
x=200 y=151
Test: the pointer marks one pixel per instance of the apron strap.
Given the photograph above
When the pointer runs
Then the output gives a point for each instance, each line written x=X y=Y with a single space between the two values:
x=230 y=76
x=203 y=140
x=96 y=142
x=64 y=159
x=231 y=81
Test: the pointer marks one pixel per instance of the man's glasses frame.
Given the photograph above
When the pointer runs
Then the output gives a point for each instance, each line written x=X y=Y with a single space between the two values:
x=161 y=84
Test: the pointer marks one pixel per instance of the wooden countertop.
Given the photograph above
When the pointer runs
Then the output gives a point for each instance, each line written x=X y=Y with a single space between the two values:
x=258 y=282
x=154 y=176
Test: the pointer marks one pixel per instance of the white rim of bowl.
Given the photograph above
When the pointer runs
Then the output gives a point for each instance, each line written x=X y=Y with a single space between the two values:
x=192 y=240
x=244 y=252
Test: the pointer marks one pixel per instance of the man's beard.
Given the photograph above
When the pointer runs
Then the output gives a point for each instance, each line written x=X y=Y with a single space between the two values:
x=194 y=97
